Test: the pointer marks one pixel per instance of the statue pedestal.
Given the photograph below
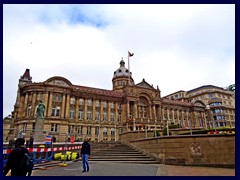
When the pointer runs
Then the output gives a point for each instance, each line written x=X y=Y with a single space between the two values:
x=38 y=133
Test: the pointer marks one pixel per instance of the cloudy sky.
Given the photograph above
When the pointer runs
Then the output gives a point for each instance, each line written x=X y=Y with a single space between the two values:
x=177 y=47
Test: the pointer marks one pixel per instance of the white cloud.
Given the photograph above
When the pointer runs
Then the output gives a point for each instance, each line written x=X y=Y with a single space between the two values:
x=177 y=47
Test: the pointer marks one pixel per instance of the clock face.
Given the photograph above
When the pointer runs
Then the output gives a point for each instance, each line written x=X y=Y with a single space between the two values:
x=22 y=83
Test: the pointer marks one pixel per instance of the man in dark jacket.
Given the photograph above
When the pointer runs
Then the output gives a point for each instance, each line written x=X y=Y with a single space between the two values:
x=14 y=159
x=85 y=153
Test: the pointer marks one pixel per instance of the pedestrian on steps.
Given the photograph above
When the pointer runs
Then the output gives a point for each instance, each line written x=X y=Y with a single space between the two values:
x=85 y=154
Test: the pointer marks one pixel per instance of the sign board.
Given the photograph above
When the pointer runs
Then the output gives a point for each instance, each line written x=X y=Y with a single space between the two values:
x=72 y=139
x=48 y=139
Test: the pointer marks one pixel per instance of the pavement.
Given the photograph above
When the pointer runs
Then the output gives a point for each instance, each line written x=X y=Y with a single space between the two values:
x=99 y=168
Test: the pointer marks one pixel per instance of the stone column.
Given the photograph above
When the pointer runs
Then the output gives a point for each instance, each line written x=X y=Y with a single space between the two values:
x=154 y=112
x=196 y=119
x=178 y=119
x=50 y=105
x=128 y=110
x=183 y=122
x=33 y=105
x=187 y=114
x=93 y=109
x=25 y=105
x=173 y=118
x=167 y=114
x=109 y=111
x=163 y=119
x=116 y=112
x=85 y=109
x=76 y=109
x=46 y=102
x=109 y=134
x=93 y=136
x=135 y=110
x=67 y=107
x=101 y=113
x=21 y=107
x=63 y=106
x=150 y=112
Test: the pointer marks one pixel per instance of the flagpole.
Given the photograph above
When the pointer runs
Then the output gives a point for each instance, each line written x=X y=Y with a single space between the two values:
x=128 y=70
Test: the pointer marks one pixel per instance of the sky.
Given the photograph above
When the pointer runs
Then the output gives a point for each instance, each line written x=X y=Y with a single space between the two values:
x=176 y=46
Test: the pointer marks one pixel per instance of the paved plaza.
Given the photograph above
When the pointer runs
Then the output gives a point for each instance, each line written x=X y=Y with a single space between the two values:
x=125 y=169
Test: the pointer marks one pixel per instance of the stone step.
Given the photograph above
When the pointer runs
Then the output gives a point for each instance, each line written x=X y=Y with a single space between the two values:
x=126 y=161
x=113 y=151
x=121 y=157
x=117 y=152
x=125 y=155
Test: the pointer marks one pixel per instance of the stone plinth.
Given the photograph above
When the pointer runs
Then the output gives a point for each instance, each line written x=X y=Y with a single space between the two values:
x=38 y=134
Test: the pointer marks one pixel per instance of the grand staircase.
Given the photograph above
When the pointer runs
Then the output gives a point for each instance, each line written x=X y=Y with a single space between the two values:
x=117 y=152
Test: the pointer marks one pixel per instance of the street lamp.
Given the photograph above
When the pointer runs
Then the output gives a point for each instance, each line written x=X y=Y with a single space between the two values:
x=115 y=131
x=167 y=128
x=155 y=131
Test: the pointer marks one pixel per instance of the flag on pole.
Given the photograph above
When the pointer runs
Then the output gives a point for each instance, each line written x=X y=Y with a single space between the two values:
x=130 y=54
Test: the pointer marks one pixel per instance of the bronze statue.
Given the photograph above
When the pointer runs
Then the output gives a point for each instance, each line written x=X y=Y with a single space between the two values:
x=40 y=110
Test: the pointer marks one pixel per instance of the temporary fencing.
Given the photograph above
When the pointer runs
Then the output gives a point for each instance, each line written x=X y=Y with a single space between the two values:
x=40 y=155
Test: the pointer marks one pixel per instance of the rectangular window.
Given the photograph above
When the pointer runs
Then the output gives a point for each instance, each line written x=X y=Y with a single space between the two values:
x=112 y=116
x=24 y=127
x=89 y=115
x=96 y=130
x=89 y=130
x=89 y=102
x=79 y=129
x=54 y=128
x=104 y=116
x=119 y=117
x=53 y=112
x=70 y=129
x=104 y=104
x=72 y=100
x=58 y=112
x=72 y=112
x=81 y=102
x=112 y=131
x=104 y=131
x=97 y=116
x=39 y=96
x=59 y=98
x=97 y=103
x=80 y=115
x=112 y=105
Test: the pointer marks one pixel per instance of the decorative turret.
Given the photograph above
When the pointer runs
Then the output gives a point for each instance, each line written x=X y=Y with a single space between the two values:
x=24 y=79
x=122 y=77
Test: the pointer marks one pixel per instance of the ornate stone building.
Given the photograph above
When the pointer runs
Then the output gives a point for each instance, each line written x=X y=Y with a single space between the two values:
x=219 y=101
x=99 y=114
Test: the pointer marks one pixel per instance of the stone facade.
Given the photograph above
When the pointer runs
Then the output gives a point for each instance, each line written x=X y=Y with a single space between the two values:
x=100 y=114
x=221 y=103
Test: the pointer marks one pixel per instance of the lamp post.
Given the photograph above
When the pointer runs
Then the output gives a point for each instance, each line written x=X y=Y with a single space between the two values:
x=115 y=132
x=155 y=131
x=167 y=129
x=99 y=131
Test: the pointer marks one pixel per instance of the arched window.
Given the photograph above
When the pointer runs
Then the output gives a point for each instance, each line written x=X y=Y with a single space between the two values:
x=105 y=131
x=29 y=111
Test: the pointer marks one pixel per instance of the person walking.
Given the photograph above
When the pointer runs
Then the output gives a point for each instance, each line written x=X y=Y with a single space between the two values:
x=15 y=158
x=85 y=154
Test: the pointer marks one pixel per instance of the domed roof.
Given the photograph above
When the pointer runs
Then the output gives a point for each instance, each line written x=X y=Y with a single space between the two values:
x=122 y=71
